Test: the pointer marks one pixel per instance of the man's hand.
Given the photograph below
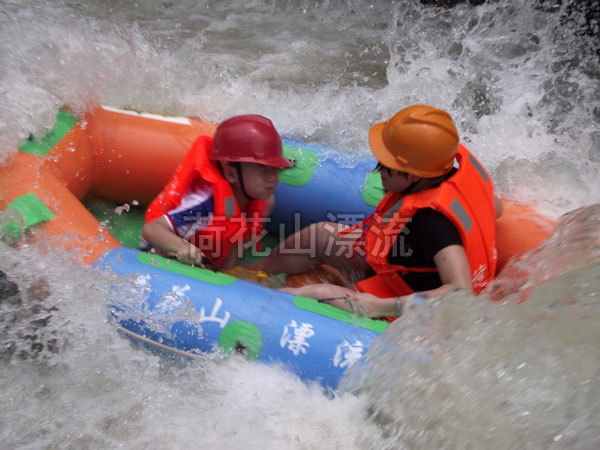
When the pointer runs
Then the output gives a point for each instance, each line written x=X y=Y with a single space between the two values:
x=159 y=234
x=188 y=253
x=369 y=305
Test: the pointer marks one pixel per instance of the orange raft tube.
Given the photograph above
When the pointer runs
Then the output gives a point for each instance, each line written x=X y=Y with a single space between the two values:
x=124 y=156
x=119 y=156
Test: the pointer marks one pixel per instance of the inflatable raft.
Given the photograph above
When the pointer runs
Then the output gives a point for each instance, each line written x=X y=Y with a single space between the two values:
x=87 y=181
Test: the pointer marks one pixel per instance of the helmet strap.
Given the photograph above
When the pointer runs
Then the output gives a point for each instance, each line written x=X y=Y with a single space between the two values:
x=410 y=188
x=238 y=166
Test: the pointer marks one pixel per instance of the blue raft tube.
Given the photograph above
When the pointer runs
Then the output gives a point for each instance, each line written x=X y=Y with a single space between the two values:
x=181 y=309
x=195 y=312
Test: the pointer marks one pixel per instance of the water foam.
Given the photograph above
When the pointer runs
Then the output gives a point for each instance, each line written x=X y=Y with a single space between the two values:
x=324 y=73
x=462 y=372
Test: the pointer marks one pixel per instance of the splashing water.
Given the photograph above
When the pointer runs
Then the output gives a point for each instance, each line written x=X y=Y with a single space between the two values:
x=460 y=372
x=521 y=81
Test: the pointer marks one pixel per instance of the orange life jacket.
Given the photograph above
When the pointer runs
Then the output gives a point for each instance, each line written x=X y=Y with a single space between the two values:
x=466 y=199
x=227 y=226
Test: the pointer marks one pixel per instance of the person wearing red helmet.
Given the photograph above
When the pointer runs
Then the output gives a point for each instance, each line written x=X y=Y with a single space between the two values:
x=433 y=231
x=219 y=195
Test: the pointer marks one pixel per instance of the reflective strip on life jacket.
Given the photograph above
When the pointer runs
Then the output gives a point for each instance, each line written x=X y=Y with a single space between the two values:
x=230 y=206
x=461 y=214
x=393 y=210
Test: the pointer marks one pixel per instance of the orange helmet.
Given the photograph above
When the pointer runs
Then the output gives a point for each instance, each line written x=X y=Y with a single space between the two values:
x=420 y=139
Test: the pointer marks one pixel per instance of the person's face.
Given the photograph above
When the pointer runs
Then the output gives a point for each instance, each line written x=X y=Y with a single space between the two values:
x=259 y=180
x=395 y=180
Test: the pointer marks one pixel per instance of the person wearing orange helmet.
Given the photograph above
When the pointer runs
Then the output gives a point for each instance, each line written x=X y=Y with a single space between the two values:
x=434 y=230
x=219 y=195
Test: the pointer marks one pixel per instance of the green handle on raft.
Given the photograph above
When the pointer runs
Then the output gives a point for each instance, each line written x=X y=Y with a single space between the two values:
x=30 y=211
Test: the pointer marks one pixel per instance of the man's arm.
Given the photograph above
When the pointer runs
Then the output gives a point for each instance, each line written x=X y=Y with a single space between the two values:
x=453 y=267
x=454 y=272
x=160 y=236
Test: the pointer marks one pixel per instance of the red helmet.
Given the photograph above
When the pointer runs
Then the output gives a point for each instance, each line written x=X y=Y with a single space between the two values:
x=249 y=138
